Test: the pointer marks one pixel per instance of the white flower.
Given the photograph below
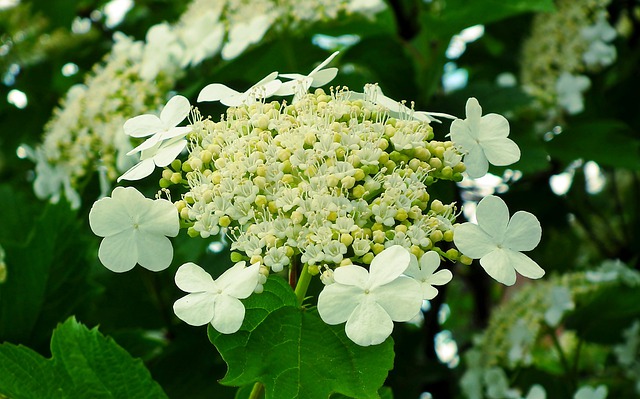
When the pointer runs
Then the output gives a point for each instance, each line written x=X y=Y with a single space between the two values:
x=299 y=84
x=243 y=34
x=569 y=89
x=587 y=392
x=424 y=273
x=161 y=50
x=215 y=301
x=559 y=302
x=536 y=392
x=134 y=230
x=162 y=128
x=265 y=88
x=373 y=93
x=202 y=37
x=497 y=240
x=369 y=301
x=484 y=138
x=161 y=155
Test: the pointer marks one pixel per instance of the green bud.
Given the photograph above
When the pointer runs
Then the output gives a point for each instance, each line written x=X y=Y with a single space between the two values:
x=236 y=257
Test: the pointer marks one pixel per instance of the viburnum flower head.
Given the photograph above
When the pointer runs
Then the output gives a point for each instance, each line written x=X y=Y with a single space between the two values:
x=370 y=301
x=135 y=230
x=484 y=139
x=215 y=301
x=498 y=241
x=424 y=272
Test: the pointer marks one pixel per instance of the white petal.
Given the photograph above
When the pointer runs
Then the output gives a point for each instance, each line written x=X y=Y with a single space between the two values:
x=118 y=252
x=215 y=92
x=369 y=324
x=442 y=277
x=239 y=281
x=336 y=302
x=287 y=88
x=388 y=265
x=498 y=265
x=143 y=125
x=351 y=275
x=139 y=171
x=501 y=152
x=168 y=154
x=493 y=217
x=271 y=88
x=476 y=162
x=175 y=111
x=524 y=265
x=153 y=141
x=323 y=77
x=401 y=298
x=523 y=232
x=493 y=126
x=429 y=262
x=228 y=314
x=472 y=241
x=108 y=217
x=155 y=252
x=192 y=278
x=159 y=217
x=473 y=111
x=269 y=78
x=428 y=292
x=195 y=309
x=325 y=63
x=462 y=135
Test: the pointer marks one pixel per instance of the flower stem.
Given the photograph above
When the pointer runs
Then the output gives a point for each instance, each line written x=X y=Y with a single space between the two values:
x=303 y=283
x=257 y=391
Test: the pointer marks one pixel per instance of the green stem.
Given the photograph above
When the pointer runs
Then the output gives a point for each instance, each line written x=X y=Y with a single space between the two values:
x=257 y=391
x=303 y=283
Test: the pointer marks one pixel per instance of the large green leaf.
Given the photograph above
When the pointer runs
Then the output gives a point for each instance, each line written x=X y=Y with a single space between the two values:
x=84 y=364
x=607 y=142
x=46 y=273
x=294 y=354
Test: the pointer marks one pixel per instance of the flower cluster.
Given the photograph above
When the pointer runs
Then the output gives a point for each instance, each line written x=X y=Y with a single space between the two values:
x=85 y=133
x=563 y=46
x=336 y=184
x=329 y=179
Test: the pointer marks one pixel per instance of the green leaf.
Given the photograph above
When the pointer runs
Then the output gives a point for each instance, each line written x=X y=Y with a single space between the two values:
x=607 y=142
x=84 y=364
x=606 y=314
x=46 y=272
x=294 y=354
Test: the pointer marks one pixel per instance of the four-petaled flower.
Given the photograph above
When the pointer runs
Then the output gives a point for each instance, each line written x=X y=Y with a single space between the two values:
x=166 y=141
x=497 y=240
x=265 y=88
x=215 y=301
x=369 y=301
x=484 y=139
x=424 y=272
x=299 y=84
x=134 y=230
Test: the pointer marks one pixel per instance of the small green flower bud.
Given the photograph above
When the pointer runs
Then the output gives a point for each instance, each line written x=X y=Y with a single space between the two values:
x=358 y=191
x=166 y=174
x=448 y=235
x=346 y=239
x=465 y=260
x=176 y=178
x=176 y=165
x=348 y=182
x=452 y=254
x=367 y=258
x=192 y=232
x=376 y=248
x=313 y=270
x=436 y=236
x=416 y=251
x=236 y=257
x=401 y=215
x=164 y=183
x=206 y=156
x=224 y=221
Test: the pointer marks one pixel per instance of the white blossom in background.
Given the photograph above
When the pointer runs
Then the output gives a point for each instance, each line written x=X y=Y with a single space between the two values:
x=424 y=272
x=370 y=301
x=484 y=139
x=162 y=51
x=628 y=353
x=521 y=338
x=587 y=392
x=599 y=35
x=135 y=230
x=570 y=88
x=215 y=301
x=203 y=35
x=560 y=301
x=498 y=240
x=265 y=88
x=242 y=34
